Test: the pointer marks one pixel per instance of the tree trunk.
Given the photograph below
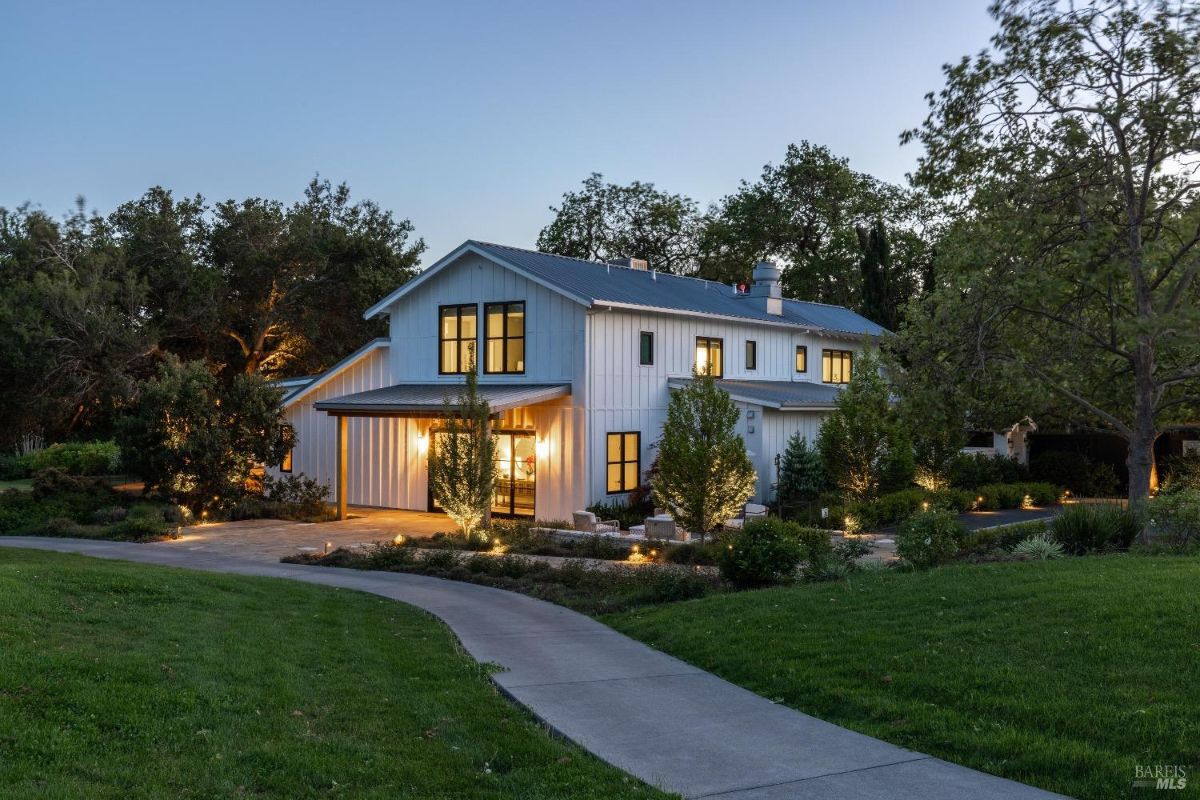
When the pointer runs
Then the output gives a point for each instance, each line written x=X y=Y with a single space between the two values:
x=1141 y=443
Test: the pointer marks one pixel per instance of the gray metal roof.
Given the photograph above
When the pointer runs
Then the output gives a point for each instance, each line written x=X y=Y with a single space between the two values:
x=782 y=395
x=430 y=398
x=604 y=283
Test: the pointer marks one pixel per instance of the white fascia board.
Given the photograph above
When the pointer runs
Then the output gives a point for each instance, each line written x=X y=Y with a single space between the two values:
x=348 y=361
x=466 y=247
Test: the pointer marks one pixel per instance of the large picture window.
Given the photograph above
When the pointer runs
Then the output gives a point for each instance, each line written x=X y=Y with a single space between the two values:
x=836 y=366
x=457 y=334
x=708 y=356
x=504 y=351
x=801 y=358
x=624 y=461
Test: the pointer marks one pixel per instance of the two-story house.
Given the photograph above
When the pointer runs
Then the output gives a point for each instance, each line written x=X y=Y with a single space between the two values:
x=577 y=359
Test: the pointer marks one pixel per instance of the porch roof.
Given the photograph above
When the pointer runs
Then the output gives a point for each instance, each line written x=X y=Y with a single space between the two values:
x=429 y=399
x=781 y=395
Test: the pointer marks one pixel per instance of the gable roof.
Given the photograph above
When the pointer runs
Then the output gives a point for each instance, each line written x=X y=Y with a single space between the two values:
x=317 y=380
x=593 y=283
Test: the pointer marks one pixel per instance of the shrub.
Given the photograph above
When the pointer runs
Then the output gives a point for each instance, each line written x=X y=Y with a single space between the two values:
x=801 y=475
x=1004 y=537
x=892 y=507
x=75 y=458
x=1091 y=528
x=768 y=550
x=1076 y=472
x=1042 y=494
x=138 y=529
x=1040 y=547
x=972 y=470
x=1001 y=495
x=849 y=551
x=1175 y=518
x=1181 y=472
x=930 y=537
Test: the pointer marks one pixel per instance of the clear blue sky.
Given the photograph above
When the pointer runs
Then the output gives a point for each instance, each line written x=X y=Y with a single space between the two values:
x=468 y=118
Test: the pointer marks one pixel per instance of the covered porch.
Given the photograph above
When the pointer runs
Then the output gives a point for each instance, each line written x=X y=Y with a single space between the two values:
x=384 y=436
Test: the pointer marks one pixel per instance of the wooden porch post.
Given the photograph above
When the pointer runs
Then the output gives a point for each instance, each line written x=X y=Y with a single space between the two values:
x=487 y=512
x=341 y=467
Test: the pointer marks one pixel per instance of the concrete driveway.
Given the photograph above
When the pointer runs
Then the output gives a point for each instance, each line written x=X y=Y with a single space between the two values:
x=272 y=539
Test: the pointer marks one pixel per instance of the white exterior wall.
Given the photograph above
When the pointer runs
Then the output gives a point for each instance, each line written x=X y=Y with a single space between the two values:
x=625 y=396
x=380 y=450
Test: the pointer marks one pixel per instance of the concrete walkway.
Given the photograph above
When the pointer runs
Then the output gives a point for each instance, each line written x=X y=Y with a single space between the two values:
x=654 y=716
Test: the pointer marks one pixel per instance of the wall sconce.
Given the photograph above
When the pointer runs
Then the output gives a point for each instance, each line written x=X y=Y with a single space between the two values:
x=423 y=444
x=542 y=448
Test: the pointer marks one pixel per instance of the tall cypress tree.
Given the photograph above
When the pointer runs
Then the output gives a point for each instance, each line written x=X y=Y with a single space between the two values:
x=877 y=304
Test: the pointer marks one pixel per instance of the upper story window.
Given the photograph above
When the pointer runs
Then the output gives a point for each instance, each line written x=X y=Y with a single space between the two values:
x=751 y=354
x=708 y=356
x=504 y=351
x=457 y=334
x=646 y=349
x=836 y=366
x=801 y=358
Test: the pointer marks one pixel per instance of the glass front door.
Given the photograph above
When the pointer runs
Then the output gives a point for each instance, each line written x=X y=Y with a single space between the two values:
x=516 y=474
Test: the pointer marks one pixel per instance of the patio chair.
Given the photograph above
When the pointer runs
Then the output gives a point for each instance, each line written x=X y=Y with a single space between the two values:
x=586 y=522
x=749 y=511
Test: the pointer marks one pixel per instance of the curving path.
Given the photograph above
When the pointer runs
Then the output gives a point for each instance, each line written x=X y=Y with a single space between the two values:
x=664 y=721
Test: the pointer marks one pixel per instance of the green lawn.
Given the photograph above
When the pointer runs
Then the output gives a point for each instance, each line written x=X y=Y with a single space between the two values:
x=1063 y=674
x=24 y=484
x=127 y=681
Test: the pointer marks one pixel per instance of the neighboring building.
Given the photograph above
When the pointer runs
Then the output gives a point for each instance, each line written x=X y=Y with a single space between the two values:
x=578 y=359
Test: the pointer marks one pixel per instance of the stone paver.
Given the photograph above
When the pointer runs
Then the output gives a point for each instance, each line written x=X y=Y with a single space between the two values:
x=272 y=539
x=656 y=717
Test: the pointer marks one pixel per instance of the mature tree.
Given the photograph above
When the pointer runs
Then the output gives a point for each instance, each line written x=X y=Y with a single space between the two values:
x=704 y=474
x=863 y=446
x=72 y=331
x=90 y=305
x=197 y=439
x=1072 y=150
x=296 y=280
x=605 y=221
x=803 y=214
x=875 y=266
x=801 y=474
x=462 y=463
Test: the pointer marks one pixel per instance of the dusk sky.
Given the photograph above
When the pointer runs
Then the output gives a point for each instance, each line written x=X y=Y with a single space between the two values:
x=468 y=118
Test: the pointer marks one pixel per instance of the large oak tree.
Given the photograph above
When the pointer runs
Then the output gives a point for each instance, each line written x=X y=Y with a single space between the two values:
x=1071 y=151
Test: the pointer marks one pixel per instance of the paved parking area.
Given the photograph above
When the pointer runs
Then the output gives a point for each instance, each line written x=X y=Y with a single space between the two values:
x=271 y=539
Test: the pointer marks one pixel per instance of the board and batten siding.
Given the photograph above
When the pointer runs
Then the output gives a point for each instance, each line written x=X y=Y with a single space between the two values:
x=554 y=353
x=622 y=395
x=381 y=451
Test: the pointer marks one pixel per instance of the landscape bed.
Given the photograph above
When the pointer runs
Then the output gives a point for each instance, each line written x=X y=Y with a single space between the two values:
x=1064 y=674
x=129 y=681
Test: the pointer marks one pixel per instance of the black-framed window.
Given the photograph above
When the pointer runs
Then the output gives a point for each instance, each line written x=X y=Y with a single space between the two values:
x=709 y=356
x=751 y=354
x=458 y=332
x=801 y=358
x=504 y=330
x=624 y=461
x=646 y=349
x=836 y=366
x=286 y=464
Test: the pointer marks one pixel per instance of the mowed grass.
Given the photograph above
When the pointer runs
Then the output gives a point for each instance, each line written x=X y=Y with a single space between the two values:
x=127 y=681
x=1063 y=674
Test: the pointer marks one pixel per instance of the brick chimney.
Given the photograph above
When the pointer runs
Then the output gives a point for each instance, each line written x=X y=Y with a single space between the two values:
x=630 y=263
